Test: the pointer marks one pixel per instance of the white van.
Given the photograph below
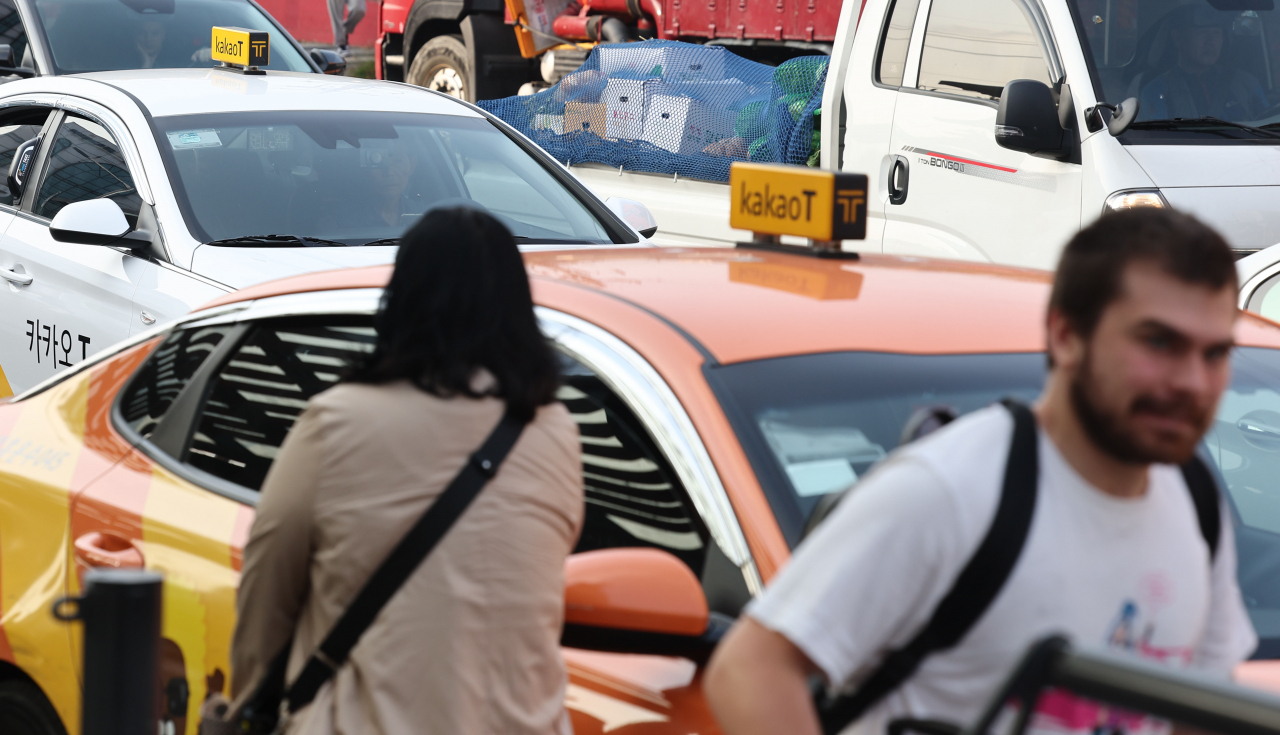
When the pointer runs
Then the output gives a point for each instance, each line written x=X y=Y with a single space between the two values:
x=963 y=165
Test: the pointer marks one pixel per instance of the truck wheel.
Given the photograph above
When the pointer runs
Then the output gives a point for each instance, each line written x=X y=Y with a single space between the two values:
x=24 y=710
x=441 y=64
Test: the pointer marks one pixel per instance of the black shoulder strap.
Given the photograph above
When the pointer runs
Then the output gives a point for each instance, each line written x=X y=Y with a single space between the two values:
x=973 y=591
x=1204 y=495
x=402 y=561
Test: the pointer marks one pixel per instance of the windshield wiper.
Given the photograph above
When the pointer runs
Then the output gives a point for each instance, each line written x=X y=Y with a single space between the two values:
x=1183 y=123
x=383 y=241
x=278 y=241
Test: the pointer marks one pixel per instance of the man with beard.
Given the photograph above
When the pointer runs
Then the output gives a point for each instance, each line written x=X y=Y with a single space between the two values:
x=1139 y=335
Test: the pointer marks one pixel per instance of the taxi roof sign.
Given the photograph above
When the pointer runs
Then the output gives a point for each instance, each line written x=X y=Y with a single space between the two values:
x=241 y=47
x=772 y=199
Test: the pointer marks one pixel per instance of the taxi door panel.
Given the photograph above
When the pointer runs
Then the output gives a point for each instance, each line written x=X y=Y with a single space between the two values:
x=79 y=300
x=960 y=195
x=140 y=514
x=194 y=538
x=16 y=127
x=73 y=300
x=51 y=445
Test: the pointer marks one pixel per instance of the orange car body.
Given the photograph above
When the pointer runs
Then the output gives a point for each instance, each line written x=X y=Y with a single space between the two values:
x=74 y=493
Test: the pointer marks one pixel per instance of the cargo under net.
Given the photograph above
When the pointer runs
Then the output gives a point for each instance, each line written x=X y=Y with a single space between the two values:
x=675 y=108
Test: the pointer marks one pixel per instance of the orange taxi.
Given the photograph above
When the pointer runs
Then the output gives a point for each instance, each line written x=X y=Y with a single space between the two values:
x=720 y=395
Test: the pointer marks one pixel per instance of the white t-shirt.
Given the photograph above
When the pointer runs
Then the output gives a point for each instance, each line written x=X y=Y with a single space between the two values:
x=1128 y=574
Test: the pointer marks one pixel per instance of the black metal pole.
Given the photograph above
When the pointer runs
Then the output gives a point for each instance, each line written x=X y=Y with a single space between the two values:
x=120 y=609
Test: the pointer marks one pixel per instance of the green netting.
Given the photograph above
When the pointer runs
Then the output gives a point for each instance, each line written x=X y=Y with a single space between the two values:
x=669 y=107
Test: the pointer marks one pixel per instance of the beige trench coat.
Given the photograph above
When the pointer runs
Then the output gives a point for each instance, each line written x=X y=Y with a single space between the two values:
x=470 y=644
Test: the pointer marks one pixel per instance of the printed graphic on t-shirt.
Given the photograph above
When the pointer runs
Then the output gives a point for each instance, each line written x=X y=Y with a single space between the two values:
x=1131 y=632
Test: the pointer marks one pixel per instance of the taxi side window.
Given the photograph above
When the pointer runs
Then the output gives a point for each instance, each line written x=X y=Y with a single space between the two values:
x=892 y=62
x=16 y=128
x=633 y=496
x=973 y=48
x=14 y=33
x=259 y=393
x=86 y=163
x=167 y=371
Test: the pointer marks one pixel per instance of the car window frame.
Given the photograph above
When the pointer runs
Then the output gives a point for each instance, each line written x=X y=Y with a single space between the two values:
x=884 y=37
x=1037 y=20
x=41 y=164
x=49 y=125
x=622 y=370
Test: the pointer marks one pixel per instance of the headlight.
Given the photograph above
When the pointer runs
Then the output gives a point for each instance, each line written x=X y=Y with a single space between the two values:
x=1134 y=199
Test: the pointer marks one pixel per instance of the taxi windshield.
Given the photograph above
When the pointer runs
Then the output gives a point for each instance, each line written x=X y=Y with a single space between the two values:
x=1203 y=71
x=108 y=35
x=813 y=424
x=357 y=178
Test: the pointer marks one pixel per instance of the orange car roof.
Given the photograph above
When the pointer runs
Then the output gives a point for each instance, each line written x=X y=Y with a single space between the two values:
x=742 y=304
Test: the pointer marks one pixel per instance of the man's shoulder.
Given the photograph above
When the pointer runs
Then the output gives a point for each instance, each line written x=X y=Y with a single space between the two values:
x=957 y=471
x=978 y=438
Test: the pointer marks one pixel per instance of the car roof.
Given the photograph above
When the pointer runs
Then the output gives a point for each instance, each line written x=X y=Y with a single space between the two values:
x=167 y=92
x=738 y=305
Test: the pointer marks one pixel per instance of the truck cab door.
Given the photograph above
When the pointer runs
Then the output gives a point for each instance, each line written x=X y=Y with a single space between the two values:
x=870 y=100
x=953 y=192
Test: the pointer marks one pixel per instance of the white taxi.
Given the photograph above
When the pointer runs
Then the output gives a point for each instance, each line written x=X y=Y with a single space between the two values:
x=134 y=196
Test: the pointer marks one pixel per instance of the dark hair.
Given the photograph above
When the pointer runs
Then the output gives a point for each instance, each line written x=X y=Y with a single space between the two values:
x=1092 y=267
x=459 y=301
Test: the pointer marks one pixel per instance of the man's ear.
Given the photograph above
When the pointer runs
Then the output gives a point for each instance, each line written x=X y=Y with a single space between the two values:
x=1065 y=346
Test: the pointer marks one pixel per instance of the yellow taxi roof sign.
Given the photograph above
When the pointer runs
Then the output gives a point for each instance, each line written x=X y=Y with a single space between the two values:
x=241 y=46
x=773 y=199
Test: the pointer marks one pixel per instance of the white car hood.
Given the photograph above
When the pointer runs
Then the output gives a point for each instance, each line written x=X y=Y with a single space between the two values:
x=239 y=267
x=1234 y=188
x=1172 y=166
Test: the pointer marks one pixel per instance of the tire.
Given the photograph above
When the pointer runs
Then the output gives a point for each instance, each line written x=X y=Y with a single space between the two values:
x=24 y=710
x=441 y=64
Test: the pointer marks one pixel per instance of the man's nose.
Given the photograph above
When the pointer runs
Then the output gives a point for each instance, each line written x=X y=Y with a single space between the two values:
x=1193 y=374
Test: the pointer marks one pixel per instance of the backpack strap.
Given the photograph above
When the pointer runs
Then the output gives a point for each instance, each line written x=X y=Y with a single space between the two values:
x=973 y=591
x=1204 y=495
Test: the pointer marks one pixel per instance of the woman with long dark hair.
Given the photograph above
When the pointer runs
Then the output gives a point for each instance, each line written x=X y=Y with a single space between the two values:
x=470 y=642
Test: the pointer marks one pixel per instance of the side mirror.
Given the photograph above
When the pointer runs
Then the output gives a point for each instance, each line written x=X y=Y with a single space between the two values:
x=635 y=214
x=1028 y=120
x=329 y=61
x=91 y=222
x=6 y=56
x=635 y=601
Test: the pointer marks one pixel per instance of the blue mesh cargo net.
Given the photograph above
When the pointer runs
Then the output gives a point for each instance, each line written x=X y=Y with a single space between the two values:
x=669 y=107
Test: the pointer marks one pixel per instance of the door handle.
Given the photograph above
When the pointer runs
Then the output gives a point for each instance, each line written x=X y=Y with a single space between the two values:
x=21 y=279
x=106 y=549
x=899 y=179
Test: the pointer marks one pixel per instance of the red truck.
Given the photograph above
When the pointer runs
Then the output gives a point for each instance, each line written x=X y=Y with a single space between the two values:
x=485 y=49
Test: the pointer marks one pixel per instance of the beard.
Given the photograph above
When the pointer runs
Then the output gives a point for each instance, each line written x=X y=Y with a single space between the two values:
x=1111 y=427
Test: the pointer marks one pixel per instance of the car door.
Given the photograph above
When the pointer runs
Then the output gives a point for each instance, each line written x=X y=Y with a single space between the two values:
x=871 y=99
x=17 y=125
x=67 y=301
x=955 y=192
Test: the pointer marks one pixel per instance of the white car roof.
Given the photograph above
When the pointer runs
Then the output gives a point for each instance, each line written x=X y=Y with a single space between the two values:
x=166 y=92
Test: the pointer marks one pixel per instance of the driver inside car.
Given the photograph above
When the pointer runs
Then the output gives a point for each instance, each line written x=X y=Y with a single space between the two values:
x=1202 y=83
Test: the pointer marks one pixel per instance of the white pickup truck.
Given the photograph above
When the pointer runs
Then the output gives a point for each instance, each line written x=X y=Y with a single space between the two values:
x=962 y=164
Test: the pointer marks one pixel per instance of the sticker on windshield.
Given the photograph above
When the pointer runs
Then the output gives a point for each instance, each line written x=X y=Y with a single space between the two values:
x=270 y=139
x=184 y=139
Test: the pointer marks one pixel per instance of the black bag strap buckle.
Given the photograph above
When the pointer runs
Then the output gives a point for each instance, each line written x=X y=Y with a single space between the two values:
x=484 y=465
